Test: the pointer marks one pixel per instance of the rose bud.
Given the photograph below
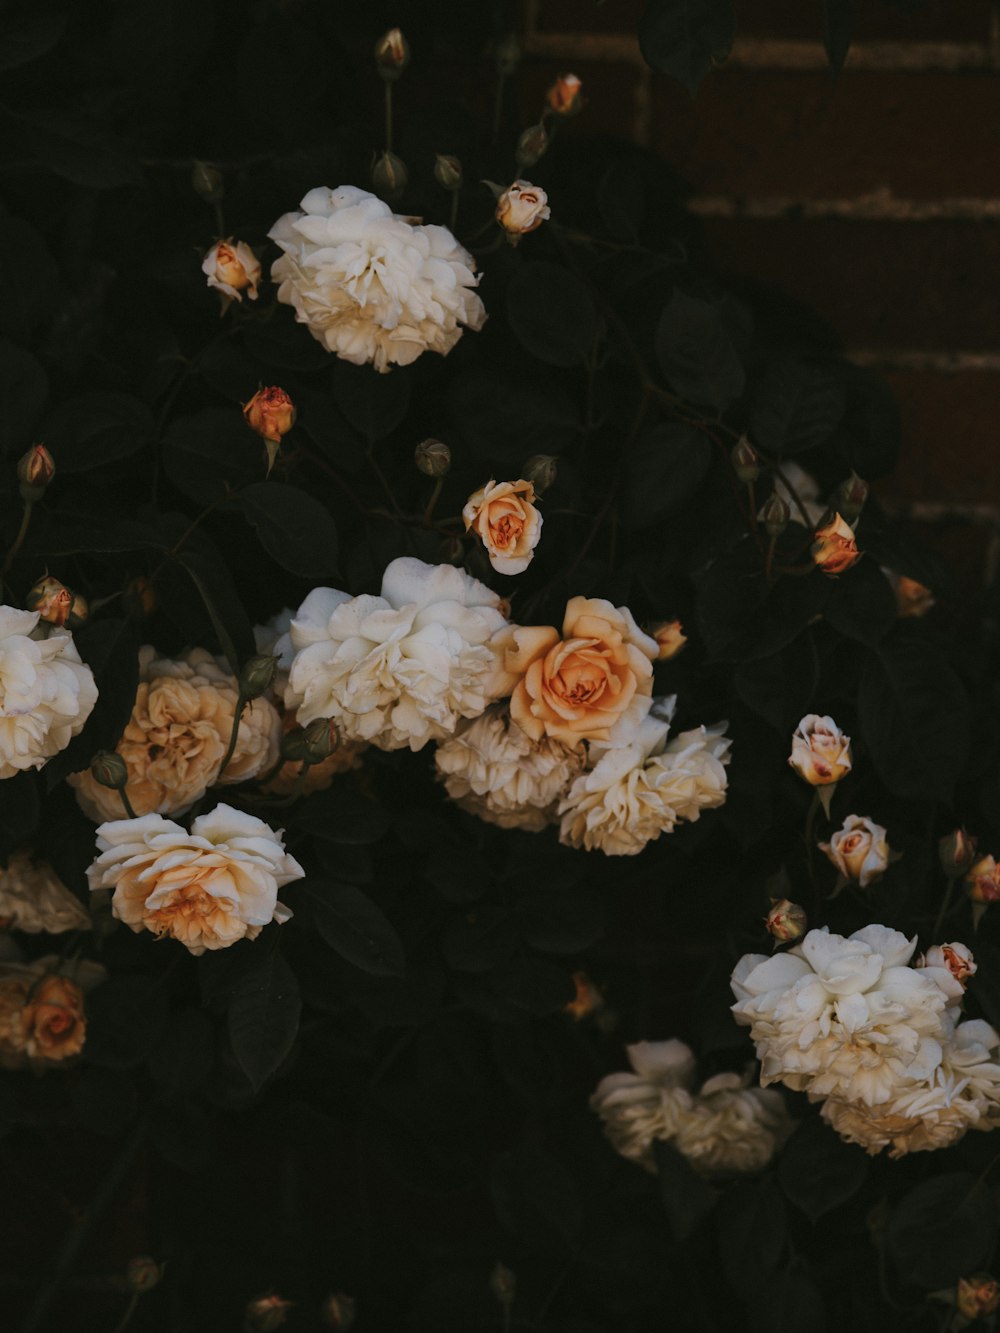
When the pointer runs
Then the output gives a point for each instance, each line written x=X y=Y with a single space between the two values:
x=532 y=145
x=311 y=744
x=956 y=958
x=448 y=171
x=271 y=413
x=432 y=457
x=821 y=753
x=835 y=549
x=51 y=599
x=786 y=920
x=774 y=516
x=851 y=496
x=109 y=769
x=35 y=469
x=670 y=638
x=588 y=999
x=977 y=1296
x=746 y=460
x=564 y=97
x=521 y=208
x=392 y=54
x=257 y=675
x=339 y=1311
x=389 y=175
x=207 y=182
x=503 y=1284
x=859 y=850
x=913 y=599
x=143 y=1273
x=232 y=269
x=541 y=470
x=956 y=852
x=982 y=882
x=508 y=56
x=265 y=1314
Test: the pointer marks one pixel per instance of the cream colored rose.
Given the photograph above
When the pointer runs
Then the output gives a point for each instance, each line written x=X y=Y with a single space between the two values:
x=955 y=958
x=33 y=898
x=504 y=518
x=835 y=549
x=821 y=753
x=176 y=739
x=859 y=850
x=207 y=888
x=232 y=268
x=371 y=286
x=521 y=208
x=597 y=677
x=491 y=768
x=46 y=692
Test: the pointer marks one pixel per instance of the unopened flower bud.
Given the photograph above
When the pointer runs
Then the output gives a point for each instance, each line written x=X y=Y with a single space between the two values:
x=956 y=852
x=521 y=208
x=775 y=515
x=207 y=182
x=982 y=881
x=271 y=413
x=448 y=171
x=339 y=1311
x=913 y=599
x=392 y=54
x=109 y=769
x=588 y=999
x=265 y=1314
x=311 y=744
x=79 y=611
x=541 y=470
x=564 y=97
x=977 y=1296
x=432 y=457
x=531 y=146
x=503 y=1284
x=835 y=549
x=389 y=175
x=670 y=638
x=508 y=56
x=35 y=470
x=786 y=920
x=851 y=496
x=257 y=675
x=231 y=267
x=143 y=1273
x=746 y=461
x=51 y=599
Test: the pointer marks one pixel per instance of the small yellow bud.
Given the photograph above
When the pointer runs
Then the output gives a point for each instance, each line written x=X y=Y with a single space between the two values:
x=503 y=1284
x=338 y=1311
x=746 y=462
x=109 y=769
x=541 y=470
x=775 y=515
x=531 y=146
x=311 y=744
x=207 y=182
x=257 y=675
x=956 y=852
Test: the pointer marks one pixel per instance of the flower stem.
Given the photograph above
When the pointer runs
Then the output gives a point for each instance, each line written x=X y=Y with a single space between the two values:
x=432 y=502
x=22 y=532
x=388 y=115
x=946 y=903
x=810 y=837
x=241 y=703
x=453 y=219
x=498 y=108
x=129 y=812
x=126 y=1318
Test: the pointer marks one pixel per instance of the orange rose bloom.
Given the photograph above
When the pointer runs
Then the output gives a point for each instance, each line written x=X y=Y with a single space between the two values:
x=835 y=549
x=506 y=521
x=271 y=413
x=52 y=1021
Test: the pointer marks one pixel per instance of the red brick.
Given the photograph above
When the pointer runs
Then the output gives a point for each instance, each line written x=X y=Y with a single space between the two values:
x=616 y=16
x=949 y=436
x=917 y=284
x=938 y=20
x=759 y=132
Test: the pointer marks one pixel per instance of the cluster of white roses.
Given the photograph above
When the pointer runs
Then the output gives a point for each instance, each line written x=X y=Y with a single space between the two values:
x=533 y=726
x=722 y=1128
x=879 y=1042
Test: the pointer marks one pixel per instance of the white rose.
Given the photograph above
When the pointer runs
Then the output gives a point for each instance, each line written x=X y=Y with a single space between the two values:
x=46 y=692
x=491 y=768
x=232 y=269
x=400 y=669
x=859 y=850
x=370 y=285
x=840 y=1017
x=821 y=753
x=33 y=898
x=521 y=208
x=207 y=888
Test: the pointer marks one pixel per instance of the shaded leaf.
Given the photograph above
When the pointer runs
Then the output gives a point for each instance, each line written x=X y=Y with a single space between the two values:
x=535 y=1197
x=221 y=601
x=28 y=277
x=696 y=352
x=684 y=38
x=861 y=604
x=28 y=30
x=663 y=470
x=263 y=1016
x=24 y=386
x=688 y=1199
x=818 y=1171
x=351 y=923
x=211 y=453
x=97 y=428
x=942 y=1229
x=342 y=815
x=552 y=314
x=796 y=405
x=293 y=527
x=374 y=404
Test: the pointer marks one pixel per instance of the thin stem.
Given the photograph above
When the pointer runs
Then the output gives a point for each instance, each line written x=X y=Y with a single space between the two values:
x=388 y=115
x=453 y=217
x=129 y=812
x=22 y=532
x=241 y=703
x=431 y=503
x=498 y=108
x=946 y=903
x=810 y=836
x=126 y=1318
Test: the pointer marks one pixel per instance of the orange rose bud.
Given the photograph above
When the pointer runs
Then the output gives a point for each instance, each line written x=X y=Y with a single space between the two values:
x=392 y=54
x=956 y=852
x=35 y=469
x=982 y=882
x=913 y=599
x=266 y=1314
x=588 y=999
x=564 y=97
x=786 y=920
x=977 y=1296
x=503 y=1284
x=53 y=1024
x=271 y=413
x=670 y=638
x=835 y=549
x=51 y=599
x=389 y=175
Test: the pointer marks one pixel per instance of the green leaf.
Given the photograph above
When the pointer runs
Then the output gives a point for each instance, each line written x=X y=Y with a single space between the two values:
x=794 y=1304
x=507 y=419
x=861 y=604
x=81 y=153
x=536 y=987
x=796 y=405
x=818 y=1171
x=28 y=30
x=563 y=921
x=342 y=815
x=374 y=404
x=621 y=199
x=24 y=387
x=125 y=1016
x=552 y=314
x=696 y=353
x=536 y=1197
x=753 y=1233
x=942 y=1230
x=355 y=927
x=480 y=939
x=684 y=38
x=96 y=429
x=293 y=527
x=914 y=715
x=182 y=1059
x=263 y=1016
x=221 y=600
x=29 y=278
x=663 y=470
x=211 y=453
x=687 y=1198
x=780 y=686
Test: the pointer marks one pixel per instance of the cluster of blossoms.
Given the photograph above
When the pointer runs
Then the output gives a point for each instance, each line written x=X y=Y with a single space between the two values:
x=722 y=1128
x=876 y=1040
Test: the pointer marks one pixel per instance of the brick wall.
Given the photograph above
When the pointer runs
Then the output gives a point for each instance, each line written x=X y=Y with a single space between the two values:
x=874 y=198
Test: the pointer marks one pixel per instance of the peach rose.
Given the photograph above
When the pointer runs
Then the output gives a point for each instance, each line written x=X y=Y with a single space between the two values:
x=521 y=208
x=859 y=850
x=42 y=1010
x=506 y=521
x=564 y=96
x=670 y=639
x=821 y=753
x=232 y=269
x=835 y=549
x=270 y=413
x=582 y=685
x=983 y=881
x=53 y=1022
x=913 y=599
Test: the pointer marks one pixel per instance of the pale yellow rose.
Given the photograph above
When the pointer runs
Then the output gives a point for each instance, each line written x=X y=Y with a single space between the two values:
x=505 y=519
x=670 y=639
x=233 y=269
x=821 y=753
x=859 y=850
